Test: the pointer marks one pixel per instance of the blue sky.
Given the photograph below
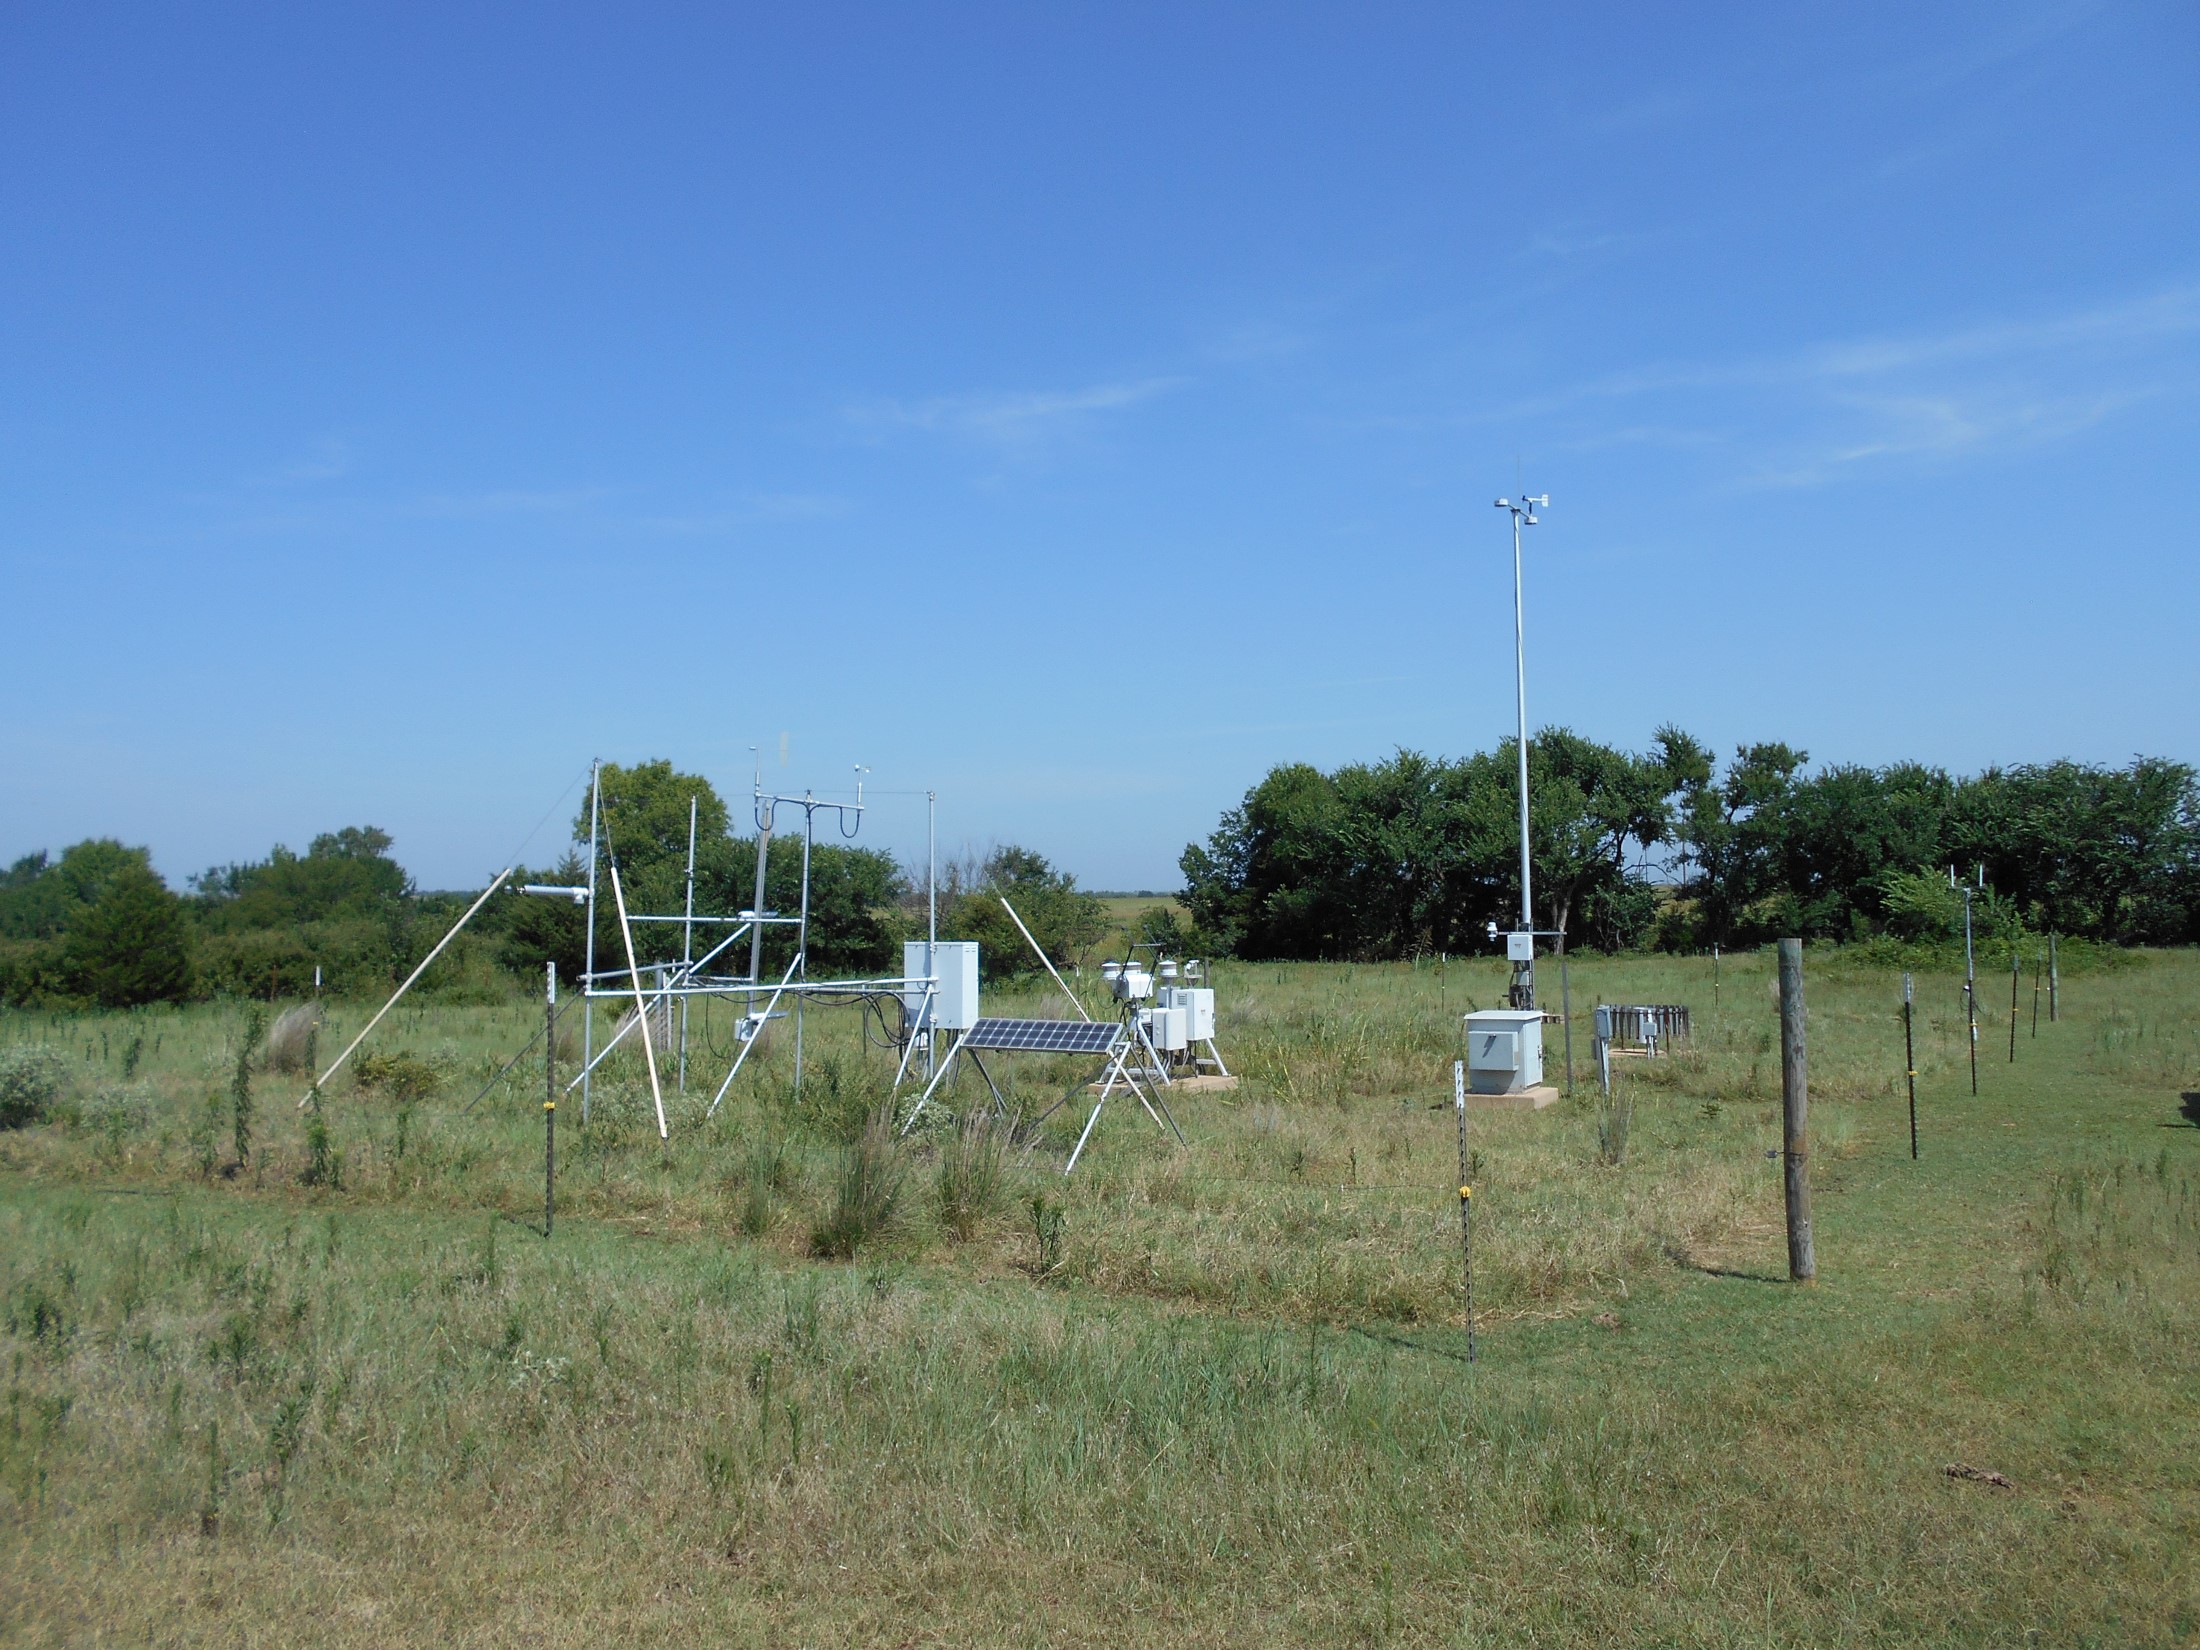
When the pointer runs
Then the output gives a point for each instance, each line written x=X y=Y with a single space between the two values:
x=1076 y=410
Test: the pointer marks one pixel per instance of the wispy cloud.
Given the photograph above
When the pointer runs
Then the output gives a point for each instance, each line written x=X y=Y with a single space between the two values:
x=747 y=511
x=2023 y=30
x=329 y=461
x=1814 y=414
x=1010 y=418
x=493 y=503
x=2172 y=313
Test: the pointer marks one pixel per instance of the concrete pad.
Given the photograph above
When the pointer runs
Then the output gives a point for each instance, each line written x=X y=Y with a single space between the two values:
x=1535 y=1099
x=1205 y=1083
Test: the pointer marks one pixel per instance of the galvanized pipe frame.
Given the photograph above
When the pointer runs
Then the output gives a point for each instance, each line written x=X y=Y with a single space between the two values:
x=737 y=985
x=686 y=981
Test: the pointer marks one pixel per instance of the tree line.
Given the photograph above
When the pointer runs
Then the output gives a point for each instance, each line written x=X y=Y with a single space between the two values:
x=97 y=923
x=1671 y=848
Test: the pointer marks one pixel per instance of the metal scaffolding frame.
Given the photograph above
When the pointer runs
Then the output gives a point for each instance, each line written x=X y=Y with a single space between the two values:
x=690 y=977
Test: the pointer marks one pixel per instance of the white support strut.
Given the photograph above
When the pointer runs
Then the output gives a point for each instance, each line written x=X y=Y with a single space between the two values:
x=407 y=986
x=1042 y=956
x=756 y=1035
x=641 y=1002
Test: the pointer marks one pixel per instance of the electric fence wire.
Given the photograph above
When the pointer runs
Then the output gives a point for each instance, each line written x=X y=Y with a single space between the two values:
x=513 y=858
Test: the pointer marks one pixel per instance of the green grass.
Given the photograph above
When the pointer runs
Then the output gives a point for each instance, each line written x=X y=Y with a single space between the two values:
x=239 y=1408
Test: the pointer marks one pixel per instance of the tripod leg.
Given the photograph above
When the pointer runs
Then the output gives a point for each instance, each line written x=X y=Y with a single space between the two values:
x=1000 y=1103
x=1087 y=1135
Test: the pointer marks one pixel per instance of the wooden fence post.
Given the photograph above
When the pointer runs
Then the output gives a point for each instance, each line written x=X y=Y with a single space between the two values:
x=1795 y=1113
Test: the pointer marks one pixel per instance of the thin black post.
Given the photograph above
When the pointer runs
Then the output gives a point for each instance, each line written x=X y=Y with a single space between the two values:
x=2012 y=1008
x=2054 y=983
x=2039 y=964
x=1566 y=1008
x=1970 y=981
x=1795 y=1114
x=1909 y=1062
x=550 y=1097
x=1970 y=1018
x=1466 y=1201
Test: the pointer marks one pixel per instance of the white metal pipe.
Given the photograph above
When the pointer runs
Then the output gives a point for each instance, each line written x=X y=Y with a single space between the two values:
x=931 y=914
x=588 y=971
x=802 y=937
x=938 y=1077
x=687 y=942
x=763 y=862
x=910 y=1046
x=755 y=1036
x=407 y=986
x=1520 y=683
x=1042 y=956
x=641 y=1003
x=674 y=987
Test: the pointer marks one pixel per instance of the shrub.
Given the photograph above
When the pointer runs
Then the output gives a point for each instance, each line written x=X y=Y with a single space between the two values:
x=867 y=1192
x=406 y=1078
x=114 y=1113
x=403 y=1075
x=32 y=1077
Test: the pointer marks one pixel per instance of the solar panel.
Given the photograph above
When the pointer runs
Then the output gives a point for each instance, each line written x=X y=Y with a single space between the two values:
x=1044 y=1036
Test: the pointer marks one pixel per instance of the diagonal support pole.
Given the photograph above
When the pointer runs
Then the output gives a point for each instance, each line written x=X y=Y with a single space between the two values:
x=938 y=1077
x=754 y=1038
x=1042 y=956
x=641 y=1002
x=407 y=986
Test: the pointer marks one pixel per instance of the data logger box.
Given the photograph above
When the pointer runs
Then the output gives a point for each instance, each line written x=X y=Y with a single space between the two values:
x=1168 y=1027
x=1504 y=1050
x=1198 y=1002
x=955 y=1007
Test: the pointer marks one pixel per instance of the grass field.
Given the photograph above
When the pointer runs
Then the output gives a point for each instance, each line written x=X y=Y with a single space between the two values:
x=1202 y=1396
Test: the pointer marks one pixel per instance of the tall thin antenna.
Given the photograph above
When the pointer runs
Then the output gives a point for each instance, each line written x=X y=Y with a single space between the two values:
x=1523 y=515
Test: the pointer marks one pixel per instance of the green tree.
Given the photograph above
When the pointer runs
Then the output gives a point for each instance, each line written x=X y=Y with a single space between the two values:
x=1063 y=918
x=1413 y=855
x=342 y=874
x=853 y=891
x=1726 y=827
x=2110 y=853
x=40 y=896
x=131 y=946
